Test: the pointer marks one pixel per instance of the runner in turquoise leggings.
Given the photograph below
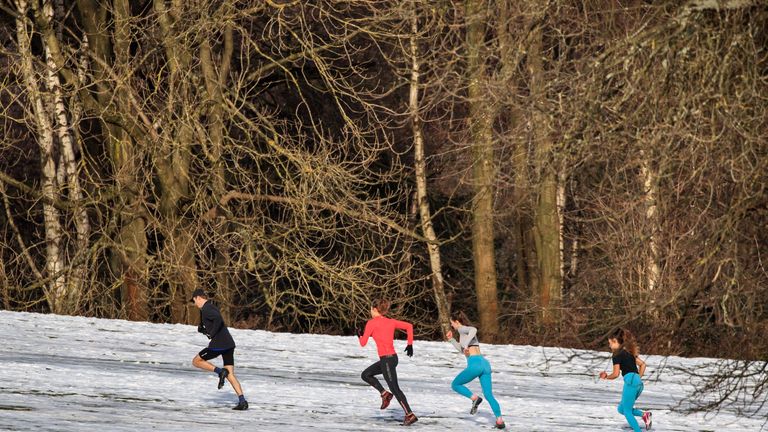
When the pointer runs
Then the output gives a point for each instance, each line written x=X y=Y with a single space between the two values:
x=627 y=363
x=477 y=367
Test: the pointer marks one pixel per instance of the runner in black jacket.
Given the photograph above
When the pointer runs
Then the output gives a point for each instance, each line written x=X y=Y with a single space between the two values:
x=222 y=344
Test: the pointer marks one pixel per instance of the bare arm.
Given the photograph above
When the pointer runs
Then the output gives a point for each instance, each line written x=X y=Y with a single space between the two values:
x=613 y=375
x=640 y=366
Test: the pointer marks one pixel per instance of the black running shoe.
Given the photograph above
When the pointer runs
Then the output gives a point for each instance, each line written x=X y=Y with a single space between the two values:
x=241 y=406
x=501 y=425
x=475 y=404
x=222 y=376
x=409 y=419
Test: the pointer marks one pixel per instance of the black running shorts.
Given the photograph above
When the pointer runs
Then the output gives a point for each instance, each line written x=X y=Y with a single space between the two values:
x=228 y=355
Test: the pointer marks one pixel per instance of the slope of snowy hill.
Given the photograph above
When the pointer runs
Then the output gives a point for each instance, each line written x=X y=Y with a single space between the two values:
x=78 y=374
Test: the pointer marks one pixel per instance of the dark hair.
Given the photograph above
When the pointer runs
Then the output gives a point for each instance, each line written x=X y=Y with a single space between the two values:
x=382 y=305
x=198 y=293
x=461 y=317
x=627 y=341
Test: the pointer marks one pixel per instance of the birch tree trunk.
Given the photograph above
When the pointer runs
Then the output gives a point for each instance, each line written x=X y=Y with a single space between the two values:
x=650 y=194
x=56 y=293
x=546 y=221
x=443 y=309
x=68 y=174
x=561 y=197
x=483 y=172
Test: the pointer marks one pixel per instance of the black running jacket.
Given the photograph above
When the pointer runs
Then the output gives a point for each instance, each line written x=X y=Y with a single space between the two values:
x=214 y=325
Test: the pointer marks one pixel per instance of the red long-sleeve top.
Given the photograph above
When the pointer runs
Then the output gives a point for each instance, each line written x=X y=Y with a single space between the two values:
x=382 y=329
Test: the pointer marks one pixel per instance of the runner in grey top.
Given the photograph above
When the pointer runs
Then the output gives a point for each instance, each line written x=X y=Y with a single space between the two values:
x=477 y=367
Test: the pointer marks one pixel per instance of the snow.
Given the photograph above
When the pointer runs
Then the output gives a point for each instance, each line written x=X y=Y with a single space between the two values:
x=63 y=373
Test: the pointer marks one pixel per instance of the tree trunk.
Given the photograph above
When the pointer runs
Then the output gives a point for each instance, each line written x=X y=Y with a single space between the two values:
x=546 y=220
x=134 y=288
x=172 y=168
x=522 y=237
x=214 y=86
x=128 y=258
x=561 y=197
x=180 y=250
x=56 y=294
x=483 y=173
x=68 y=174
x=443 y=308
x=6 y=304
x=650 y=194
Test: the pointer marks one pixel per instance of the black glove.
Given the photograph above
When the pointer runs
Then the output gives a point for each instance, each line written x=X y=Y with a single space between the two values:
x=409 y=350
x=359 y=332
x=201 y=329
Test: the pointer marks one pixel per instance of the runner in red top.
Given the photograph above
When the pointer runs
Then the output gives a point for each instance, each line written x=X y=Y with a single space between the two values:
x=382 y=329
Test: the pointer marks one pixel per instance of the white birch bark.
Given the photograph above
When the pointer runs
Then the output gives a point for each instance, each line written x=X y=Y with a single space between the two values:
x=54 y=262
x=560 y=203
x=421 y=183
x=650 y=190
x=67 y=173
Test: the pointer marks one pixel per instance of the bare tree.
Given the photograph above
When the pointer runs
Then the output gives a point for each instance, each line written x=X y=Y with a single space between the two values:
x=58 y=294
x=427 y=228
x=546 y=227
x=480 y=119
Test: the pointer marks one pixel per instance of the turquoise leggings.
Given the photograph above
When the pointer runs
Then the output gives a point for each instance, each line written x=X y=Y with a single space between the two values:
x=633 y=387
x=477 y=367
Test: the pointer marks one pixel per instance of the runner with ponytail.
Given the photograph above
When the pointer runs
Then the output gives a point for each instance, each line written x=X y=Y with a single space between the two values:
x=626 y=361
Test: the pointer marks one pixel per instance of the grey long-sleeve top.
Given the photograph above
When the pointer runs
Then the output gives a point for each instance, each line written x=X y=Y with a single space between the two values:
x=467 y=338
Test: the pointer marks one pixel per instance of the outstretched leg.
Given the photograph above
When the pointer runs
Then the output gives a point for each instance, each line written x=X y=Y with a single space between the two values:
x=233 y=380
x=630 y=392
x=369 y=376
x=389 y=369
x=199 y=362
x=465 y=376
x=487 y=386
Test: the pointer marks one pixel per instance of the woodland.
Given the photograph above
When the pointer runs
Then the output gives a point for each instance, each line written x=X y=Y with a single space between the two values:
x=554 y=168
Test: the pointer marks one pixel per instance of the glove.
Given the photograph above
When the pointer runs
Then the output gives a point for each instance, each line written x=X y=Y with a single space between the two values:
x=201 y=329
x=359 y=332
x=409 y=350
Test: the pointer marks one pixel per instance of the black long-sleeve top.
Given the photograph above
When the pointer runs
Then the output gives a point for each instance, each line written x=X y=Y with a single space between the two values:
x=214 y=325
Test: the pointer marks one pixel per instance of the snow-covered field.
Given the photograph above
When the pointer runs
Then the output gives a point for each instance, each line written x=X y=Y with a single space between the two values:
x=82 y=374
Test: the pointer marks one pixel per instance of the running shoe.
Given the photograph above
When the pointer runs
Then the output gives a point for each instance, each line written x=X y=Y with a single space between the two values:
x=241 y=406
x=222 y=376
x=500 y=424
x=409 y=419
x=386 y=397
x=648 y=420
x=475 y=404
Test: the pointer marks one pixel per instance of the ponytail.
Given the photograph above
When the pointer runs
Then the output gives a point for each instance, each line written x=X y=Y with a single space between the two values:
x=461 y=317
x=627 y=341
x=382 y=305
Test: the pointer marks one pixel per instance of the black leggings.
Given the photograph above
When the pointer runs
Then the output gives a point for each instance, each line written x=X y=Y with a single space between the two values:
x=386 y=366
